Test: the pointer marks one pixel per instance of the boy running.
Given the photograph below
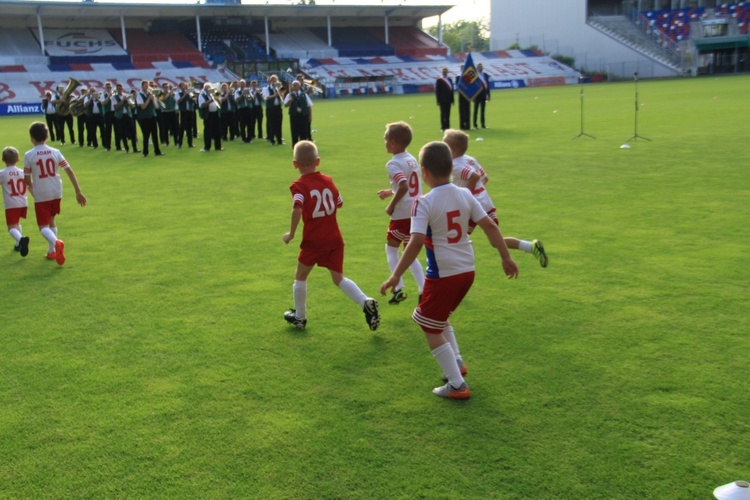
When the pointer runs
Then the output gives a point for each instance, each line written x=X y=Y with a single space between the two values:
x=440 y=221
x=315 y=200
x=15 y=199
x=41 y=168
x=406 y=186
x=468 y=173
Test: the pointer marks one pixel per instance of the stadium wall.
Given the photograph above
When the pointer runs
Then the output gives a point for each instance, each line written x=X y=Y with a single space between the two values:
x=559 y=27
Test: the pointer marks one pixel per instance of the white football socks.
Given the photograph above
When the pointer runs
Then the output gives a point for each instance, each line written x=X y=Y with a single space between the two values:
x=391 y=253
x=418 y=273
x=15 y=234
x=299 y=290
x=49 y=235
x=446 y=358
x=450 y=336
x=352 y=291
x=525 y=246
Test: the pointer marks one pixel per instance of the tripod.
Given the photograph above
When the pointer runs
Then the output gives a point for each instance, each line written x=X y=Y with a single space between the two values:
x=582 y=133
x=635 y=130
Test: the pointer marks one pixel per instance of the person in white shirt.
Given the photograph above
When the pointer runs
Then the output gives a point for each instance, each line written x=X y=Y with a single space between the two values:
x=41 y=169
x=94 y=117
x=300 y=113
x=406 y=186
x=15 y=199
x=274 y=117
x=50 y=114
x=210 y=111
x=440 y=222
x=469 y=174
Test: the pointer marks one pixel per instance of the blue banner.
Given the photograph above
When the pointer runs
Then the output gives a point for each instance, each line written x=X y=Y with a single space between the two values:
x=507 y=84
x=469 y=84
x=20 y=109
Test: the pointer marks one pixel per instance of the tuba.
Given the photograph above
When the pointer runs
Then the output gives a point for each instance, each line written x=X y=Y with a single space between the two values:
x=63 y=108
x=76 y=107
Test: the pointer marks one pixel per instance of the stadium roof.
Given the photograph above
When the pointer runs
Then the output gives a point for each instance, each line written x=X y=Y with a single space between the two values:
x=74 y=11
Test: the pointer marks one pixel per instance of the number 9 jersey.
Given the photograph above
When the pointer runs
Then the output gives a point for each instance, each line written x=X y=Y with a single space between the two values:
x=403 y=168
x=319 y=199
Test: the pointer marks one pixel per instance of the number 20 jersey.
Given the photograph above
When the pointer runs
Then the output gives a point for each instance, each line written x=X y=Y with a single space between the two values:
x=443 y=216
x=319 y=198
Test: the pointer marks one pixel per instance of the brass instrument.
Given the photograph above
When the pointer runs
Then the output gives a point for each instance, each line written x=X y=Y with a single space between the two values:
x=312 y=85
x=161 y=96
x=63 y=108
x=76 y=107
x=216 y=94
x=281 y=89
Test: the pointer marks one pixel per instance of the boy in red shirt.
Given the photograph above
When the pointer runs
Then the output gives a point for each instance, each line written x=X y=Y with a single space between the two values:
x=315 y=200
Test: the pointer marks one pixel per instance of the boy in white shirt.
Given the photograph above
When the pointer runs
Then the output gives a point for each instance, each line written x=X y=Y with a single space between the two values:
x=440 y=221
x=469 y=174
x=41 y=168
x=15 y=199
x=406 y=186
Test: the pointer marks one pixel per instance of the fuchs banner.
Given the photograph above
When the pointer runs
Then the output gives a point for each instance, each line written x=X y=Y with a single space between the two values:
x=80 y=42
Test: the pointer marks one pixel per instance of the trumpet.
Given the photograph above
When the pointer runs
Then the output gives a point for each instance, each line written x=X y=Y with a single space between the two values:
x=63 y=108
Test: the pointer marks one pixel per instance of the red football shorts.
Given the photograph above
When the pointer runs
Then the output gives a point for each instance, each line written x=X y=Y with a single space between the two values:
x=331 y=258
x=400 y=230
x=45 y=210
x=14 y=215
x=441 y=296
x=492 y=214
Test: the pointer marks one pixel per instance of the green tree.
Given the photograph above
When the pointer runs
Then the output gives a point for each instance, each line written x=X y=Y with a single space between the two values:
x=463 y=35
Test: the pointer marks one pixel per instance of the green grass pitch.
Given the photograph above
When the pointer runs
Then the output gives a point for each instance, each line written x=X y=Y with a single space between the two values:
x=156 y=364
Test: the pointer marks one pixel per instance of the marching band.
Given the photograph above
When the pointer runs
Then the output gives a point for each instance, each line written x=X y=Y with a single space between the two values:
x=164 y=113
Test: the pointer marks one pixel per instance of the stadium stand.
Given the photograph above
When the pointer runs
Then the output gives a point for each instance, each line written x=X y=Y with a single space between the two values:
x=410 y=41
x=300 y=43
x=220 y=45
x=355 y=42
x=407 y=74
x=675 y=23
x=19 y=47
x=739 y=11
x=146 y=48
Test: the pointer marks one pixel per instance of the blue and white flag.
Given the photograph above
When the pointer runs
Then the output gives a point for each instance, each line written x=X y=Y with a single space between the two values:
x=469 y=84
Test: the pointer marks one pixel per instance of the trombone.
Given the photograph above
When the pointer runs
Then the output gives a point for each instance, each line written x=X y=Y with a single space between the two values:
x=281 y=89
x=311 y=85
